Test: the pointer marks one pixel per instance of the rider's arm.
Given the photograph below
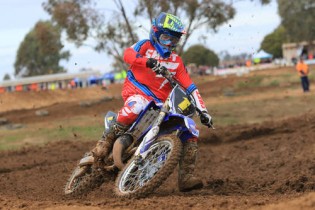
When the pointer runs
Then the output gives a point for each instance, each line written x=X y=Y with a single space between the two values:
x=135 y=55
x=183 y=77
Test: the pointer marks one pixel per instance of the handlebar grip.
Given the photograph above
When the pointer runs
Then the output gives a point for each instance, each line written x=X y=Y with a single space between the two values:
x=204 y=120
x=164 y=71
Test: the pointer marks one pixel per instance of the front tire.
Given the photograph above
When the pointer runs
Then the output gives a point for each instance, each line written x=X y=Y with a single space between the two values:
x=139 y=180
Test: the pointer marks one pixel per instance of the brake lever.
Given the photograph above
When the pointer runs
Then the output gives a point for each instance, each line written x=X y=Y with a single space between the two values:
x=211 y=126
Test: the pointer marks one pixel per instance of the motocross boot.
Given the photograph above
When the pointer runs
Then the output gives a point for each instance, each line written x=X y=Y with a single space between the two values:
x=186 y=180
x=105 y=145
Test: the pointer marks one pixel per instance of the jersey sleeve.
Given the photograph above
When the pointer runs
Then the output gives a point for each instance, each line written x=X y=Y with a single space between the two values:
x=135 y=55
x=183 y=77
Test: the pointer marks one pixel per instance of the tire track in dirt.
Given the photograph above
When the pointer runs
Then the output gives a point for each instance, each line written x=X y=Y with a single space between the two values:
x=259 y=166
x=250 y=167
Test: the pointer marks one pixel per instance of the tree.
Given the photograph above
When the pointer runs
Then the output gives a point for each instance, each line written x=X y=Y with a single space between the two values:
x=196 y=14
x=227 y=60
x=40 y=52
x=298 y=18
x=263 y=2
x=200 y=55
x=272 y=43
x=80 y=19
x=6 y=77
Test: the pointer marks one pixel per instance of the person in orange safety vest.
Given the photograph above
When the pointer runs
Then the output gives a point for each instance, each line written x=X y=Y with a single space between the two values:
x=303 y=71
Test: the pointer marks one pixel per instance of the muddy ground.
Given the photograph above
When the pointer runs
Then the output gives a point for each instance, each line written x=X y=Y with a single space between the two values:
x=258 y=166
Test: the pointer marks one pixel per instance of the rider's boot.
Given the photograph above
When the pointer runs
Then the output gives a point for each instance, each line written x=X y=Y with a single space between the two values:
x=105 y=144
x=186 y=180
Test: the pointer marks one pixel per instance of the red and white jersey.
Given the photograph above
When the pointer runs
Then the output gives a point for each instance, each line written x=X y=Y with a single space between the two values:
x=142 y=80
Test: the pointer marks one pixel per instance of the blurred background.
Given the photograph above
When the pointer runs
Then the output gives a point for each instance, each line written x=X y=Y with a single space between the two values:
x=61 y=70
x=81 y=43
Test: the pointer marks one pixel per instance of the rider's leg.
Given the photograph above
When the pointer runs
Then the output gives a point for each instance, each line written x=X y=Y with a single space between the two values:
x=186 y=179
x=105 y=144
x=126 y=116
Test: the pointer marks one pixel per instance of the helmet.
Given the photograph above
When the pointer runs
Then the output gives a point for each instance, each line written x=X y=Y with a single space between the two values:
x=165 y=33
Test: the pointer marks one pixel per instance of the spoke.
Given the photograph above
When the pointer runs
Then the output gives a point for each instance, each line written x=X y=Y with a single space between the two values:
x=136 y=177
x=133 y=180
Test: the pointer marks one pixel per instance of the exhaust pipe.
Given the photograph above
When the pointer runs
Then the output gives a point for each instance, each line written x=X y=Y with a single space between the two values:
x=120 y=145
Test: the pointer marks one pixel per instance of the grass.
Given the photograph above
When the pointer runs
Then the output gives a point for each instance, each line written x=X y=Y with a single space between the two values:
x=261 y=98
x=254 y=81
x=10 y=142
x=261 y=109
x=77 y=128
x=71 y=132
x=274 y=83
x=283 y=80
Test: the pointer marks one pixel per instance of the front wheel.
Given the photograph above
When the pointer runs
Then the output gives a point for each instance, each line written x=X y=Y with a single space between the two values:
x=140 y=179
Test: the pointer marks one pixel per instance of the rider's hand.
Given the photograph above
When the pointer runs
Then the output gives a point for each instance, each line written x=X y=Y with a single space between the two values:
x=154 y=65
x=206 y=119
x=151 y=63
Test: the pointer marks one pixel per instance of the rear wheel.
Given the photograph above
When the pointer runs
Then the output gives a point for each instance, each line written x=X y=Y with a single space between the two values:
x=138 y=179
x=83 y=180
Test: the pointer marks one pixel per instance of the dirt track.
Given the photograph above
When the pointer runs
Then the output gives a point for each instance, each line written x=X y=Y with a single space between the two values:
x=270 y=166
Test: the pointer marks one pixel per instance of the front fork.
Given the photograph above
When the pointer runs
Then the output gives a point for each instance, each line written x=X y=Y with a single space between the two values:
x=149 y=138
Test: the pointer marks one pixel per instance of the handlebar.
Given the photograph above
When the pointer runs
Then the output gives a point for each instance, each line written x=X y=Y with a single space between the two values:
x=167 y=74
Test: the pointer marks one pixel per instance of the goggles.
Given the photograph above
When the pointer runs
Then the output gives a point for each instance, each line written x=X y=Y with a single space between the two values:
x=167 y=39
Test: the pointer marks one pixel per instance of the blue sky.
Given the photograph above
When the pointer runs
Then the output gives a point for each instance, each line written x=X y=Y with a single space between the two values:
x=242 y=34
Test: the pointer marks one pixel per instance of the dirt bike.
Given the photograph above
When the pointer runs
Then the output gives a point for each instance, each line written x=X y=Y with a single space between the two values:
x=153 y=148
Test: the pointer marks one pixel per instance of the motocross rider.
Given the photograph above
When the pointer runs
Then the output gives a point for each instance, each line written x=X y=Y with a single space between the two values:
x=144 y=84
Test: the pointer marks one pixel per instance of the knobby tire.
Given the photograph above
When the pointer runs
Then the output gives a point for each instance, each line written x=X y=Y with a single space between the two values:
x=163 y=173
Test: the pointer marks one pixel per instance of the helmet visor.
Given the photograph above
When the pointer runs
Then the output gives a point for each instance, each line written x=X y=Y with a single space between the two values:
x=167 y=39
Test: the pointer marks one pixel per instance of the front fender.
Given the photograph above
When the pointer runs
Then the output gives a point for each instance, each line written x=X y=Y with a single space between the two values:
x=188 y=124
x=171 y=122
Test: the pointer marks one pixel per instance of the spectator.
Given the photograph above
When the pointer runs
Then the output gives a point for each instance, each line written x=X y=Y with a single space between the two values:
x=2 y=89
x=19 y=88
x=303 y=71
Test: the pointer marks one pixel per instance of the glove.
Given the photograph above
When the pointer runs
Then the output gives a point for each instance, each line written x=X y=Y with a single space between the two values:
x=206 y=119
x=151 y=63
x=154 y=65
